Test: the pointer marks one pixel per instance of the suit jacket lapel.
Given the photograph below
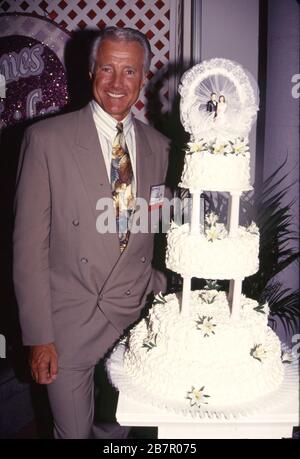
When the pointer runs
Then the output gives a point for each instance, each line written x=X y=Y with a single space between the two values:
x=90 y=161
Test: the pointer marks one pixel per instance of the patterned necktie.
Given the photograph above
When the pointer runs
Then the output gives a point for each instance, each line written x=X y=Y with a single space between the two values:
x=121 y=184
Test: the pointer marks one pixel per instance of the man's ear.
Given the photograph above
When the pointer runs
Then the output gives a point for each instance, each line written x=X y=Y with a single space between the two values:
x=90 y=75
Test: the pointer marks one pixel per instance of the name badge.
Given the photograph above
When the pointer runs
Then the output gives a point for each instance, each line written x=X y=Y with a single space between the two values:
x=157 y=196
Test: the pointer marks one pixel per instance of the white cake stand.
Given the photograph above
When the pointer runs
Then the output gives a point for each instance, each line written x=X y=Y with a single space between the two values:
x=271 y=417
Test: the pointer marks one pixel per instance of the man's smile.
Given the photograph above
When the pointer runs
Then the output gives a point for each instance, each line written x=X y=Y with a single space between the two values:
x=115 y=95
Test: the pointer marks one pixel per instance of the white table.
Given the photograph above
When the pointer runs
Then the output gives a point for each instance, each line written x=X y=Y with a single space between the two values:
x=276 y=423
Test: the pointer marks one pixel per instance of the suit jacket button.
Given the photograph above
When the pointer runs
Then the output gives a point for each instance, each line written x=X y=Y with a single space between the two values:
x=84 y=260
x=75 y=222
x=143 y=259
x=128 y=293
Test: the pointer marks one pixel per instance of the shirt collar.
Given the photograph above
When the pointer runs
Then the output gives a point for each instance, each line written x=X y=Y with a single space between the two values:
x=107 y=124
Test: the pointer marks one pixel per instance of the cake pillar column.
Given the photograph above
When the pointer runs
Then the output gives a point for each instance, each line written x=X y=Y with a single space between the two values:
x=235 y=285
x=197 y=211
x=234 y=210
x=186 y=291
x=235 y=289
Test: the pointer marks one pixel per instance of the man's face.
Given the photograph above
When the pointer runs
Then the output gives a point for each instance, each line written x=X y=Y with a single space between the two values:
x=118 y=76
x=213 y=97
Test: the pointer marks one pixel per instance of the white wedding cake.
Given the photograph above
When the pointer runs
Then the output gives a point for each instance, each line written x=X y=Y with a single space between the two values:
x=209 y=349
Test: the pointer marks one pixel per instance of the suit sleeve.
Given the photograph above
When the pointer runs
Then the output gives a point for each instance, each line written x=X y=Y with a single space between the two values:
x=32 y=209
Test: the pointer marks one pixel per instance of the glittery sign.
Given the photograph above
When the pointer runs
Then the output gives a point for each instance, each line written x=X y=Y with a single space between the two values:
x=35 y=79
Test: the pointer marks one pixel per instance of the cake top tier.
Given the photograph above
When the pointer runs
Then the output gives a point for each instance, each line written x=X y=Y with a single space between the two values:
x=219 y=99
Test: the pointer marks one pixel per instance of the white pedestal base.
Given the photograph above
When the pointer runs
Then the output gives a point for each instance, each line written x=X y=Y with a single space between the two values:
x=277 y=423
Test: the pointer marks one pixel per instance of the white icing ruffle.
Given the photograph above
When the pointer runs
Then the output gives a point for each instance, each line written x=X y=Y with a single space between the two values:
x=193 y=255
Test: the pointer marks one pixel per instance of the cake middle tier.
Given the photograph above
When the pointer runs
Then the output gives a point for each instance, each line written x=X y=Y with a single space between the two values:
x=194 y=255
x=207 y=172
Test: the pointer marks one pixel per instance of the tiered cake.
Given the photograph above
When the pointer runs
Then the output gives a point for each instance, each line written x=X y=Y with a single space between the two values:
x=209 y=348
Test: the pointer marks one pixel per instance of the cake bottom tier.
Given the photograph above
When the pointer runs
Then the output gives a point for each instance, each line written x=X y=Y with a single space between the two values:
x=205 y=359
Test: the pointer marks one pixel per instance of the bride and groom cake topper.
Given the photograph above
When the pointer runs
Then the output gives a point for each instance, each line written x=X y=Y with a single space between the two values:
x=217 y=106
x=219 y=99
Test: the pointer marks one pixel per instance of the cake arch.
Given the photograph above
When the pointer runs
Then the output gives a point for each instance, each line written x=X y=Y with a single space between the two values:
x=224 y=78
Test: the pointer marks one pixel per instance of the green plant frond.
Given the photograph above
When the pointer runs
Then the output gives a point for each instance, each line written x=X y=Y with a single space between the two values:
x=268 y=197
x=274 y=174
x=284 y=264
x=286 y=252
x=288 y=321
x=279 y=246
x=271 y=177
x=273 y=181
x=271 y=199
x=285 y=297
x=284 y=304
x=291 y=235
x=271 y=215
x=289 y=326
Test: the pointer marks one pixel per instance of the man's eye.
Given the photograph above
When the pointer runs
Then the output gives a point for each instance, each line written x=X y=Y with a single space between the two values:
x=130 y=72
x=105 y=69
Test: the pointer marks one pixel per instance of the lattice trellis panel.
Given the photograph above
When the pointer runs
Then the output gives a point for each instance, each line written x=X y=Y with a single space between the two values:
x=152 y=17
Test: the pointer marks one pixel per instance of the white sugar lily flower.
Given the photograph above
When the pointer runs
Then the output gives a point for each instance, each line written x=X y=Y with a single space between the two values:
x=212 y=234
x=206 y=326
x=259 y=352
x=240 y=147
x=197 y=397
x=211 y=218
x=218 y=149
x=253 y=228
x=196 y=147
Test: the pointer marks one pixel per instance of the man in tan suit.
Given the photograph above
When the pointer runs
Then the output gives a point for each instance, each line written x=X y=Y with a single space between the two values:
x=77 y=292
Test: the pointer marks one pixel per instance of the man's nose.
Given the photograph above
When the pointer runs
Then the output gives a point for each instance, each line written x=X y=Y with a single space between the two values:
x=117 y=79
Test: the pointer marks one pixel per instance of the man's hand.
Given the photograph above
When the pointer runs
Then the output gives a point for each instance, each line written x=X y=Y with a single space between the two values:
x=43 y=363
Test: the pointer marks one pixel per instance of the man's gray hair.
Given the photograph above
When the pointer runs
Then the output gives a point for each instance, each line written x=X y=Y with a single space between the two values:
x=118 y=33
